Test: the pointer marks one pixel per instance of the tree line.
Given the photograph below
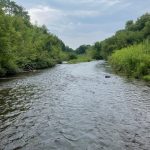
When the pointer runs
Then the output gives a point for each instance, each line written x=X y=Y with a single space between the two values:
x=24 y=46
x=128 y=51
x=133 y=33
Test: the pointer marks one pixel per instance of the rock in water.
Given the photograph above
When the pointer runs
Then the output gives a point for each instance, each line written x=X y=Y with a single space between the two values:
x=107 y=76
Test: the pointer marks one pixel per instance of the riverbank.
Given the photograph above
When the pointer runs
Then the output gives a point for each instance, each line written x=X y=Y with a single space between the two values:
x=133 y=61
x=79 y=59
x=74 y=107
x=25 y=46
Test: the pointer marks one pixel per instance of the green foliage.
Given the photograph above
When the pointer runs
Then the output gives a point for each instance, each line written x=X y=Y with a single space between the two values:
x=88 y=55
x=97 y=48
x=131 y=58
x=24 y=46
x=80 y=58
x=146 y=78
x=82 y=49
x=88 y=52
x=11 y=8
x=72 y=56
x=134 y=33
x=133 y=61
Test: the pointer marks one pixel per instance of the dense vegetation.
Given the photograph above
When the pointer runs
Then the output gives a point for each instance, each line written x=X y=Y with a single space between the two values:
x=86 y=53
x=128 y=49
x=134 y=33
x=133 y=61
x=24 y=46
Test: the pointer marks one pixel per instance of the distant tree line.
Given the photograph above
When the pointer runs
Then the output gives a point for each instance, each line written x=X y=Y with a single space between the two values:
x=134 y=33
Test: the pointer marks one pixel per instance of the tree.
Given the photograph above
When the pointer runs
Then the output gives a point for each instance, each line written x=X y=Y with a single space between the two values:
x=129 y=25
x=24 y=46
x=82 y=49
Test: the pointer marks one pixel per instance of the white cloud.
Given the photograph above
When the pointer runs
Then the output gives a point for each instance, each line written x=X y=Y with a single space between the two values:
x=61 y=22
x=110 y=2
x=107 y=2
x=84 y=13
x=84 y=21
x=44 y=14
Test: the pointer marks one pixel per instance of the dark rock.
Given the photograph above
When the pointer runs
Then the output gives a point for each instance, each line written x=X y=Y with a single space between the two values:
x=107 y=76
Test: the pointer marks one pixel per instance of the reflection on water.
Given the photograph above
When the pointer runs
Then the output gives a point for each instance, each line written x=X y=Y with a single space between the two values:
x=74 y=107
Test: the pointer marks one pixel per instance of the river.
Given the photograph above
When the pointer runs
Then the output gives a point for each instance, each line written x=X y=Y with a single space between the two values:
x=74 y=107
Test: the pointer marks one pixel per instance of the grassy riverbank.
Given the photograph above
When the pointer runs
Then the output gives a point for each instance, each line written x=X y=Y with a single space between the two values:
x=133 y=61
x=125 y=50
x=24 y=46
x=80 y=58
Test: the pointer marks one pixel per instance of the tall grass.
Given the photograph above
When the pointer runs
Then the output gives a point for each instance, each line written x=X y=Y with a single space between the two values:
x=133 y=61
x=80 y=58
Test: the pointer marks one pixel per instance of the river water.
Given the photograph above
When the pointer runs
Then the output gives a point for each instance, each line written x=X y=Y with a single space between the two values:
x=74 y=107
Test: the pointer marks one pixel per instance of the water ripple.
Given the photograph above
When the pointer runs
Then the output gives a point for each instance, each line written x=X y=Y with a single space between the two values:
x=74 y=107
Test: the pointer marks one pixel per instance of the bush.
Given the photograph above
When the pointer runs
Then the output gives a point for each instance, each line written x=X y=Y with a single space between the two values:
x=80 y=58
x=132 y=61
x=146 y=78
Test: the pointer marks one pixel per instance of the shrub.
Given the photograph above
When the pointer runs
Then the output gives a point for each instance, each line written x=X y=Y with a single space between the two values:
x=133 y=61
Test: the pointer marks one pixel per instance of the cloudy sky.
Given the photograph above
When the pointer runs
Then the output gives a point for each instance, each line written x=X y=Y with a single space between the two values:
x=79 y=22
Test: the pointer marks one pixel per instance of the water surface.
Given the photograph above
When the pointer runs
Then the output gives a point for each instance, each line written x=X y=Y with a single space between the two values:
x=74 y=107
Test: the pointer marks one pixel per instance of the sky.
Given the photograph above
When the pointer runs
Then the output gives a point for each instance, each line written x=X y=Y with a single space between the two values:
x=78 y=22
